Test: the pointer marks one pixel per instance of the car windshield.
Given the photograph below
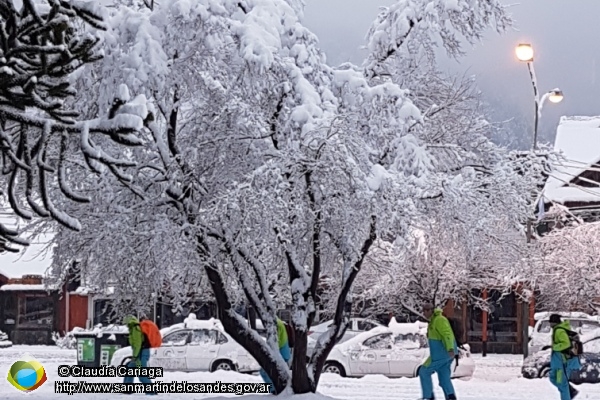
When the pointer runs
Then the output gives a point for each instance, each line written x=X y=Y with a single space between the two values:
x=379 y=342
x=592 y=346
x=364 y=325
x=583 y=325
x=178 y=338
x=410 y=341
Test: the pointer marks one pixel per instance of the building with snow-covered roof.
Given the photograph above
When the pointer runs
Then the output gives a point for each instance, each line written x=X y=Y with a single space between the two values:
x=31 y=308
x=575 y=178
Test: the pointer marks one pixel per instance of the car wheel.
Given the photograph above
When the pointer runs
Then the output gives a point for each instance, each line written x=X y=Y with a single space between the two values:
x=544 y=372
x=333 y=367
x=223 y=365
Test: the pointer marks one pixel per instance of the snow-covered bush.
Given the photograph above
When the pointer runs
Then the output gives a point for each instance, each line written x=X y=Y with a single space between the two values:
x=67 y=341
x=566 y=271
x=4 y=342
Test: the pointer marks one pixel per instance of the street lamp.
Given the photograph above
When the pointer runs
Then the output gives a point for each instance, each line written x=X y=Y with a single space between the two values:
x=555 y=96
x=524 y=52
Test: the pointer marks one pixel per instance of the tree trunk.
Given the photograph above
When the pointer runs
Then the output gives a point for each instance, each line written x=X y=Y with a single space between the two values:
x=241 y=333
x=251 y=317
x=300 y=380
x=305 y=375
x=319 y=361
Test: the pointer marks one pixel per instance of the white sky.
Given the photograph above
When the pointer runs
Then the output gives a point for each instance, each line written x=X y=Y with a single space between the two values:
x=33 y=261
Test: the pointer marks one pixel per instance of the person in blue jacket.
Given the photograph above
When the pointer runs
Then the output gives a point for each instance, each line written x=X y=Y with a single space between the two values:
x=284 y=350
x=562 y=362
x=442 y=348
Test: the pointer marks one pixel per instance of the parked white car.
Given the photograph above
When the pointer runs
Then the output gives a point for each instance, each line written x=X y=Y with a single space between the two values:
x=540 y=334
x=196 y=345
x=397 y=351
x=357 y=326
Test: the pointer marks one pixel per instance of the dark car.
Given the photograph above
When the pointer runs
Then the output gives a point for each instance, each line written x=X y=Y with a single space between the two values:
x=537 y=365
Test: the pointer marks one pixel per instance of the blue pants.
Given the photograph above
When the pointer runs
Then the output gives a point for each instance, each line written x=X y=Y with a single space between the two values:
x=144 y=358
x=286 y=354
x=560 y=376
x=559 y=379
x=444 y=372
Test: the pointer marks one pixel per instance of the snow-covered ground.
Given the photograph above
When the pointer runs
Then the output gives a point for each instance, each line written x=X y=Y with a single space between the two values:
x=497 y=377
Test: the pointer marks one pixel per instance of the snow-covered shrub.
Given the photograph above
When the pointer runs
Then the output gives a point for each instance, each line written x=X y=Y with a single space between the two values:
x=67 y=341
x=4 y=342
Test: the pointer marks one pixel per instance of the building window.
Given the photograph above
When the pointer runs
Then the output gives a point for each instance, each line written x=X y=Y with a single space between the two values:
x=9 y=308
x=36 y=312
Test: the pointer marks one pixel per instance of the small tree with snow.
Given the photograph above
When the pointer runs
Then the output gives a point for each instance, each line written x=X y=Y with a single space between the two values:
x=566 y=271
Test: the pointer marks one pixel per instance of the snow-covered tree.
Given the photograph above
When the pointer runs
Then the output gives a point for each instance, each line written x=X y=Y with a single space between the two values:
x=41 y=46
x=262 y=165
x=566 y=272
x=471 y=229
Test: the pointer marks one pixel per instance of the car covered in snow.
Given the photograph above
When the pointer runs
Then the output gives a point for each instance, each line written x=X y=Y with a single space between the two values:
x=537 y=365
x=540 y=334
x=395 y=351
x=195 y=345
x=356 y=326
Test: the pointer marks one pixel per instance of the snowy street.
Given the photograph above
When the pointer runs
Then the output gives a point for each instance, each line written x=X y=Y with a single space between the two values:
x=496 y=377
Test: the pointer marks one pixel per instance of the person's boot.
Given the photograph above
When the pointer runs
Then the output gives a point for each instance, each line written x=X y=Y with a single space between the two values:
x=574 y=392
x=451 y=397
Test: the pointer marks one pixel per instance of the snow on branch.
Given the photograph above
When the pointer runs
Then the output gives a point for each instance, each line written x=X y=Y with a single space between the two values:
x=566 y=268
x=426 y=21
x=41 y=46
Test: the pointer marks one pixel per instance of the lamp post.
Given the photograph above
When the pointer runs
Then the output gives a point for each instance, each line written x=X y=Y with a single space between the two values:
x=524 y=53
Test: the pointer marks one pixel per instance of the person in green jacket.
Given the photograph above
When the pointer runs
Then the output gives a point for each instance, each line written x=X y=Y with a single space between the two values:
x=562 y=363
x=442 y=348
x=284 y=350
x=140 y=348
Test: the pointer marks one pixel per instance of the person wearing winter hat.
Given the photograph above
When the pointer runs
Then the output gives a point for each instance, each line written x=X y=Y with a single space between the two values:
x=562 y=362
x=443 y=349
x=140 y=348
x=284 y=350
